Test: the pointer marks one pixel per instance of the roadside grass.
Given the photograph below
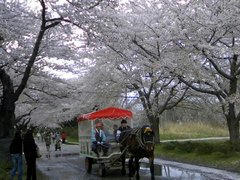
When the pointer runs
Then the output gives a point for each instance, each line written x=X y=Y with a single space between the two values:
x=72 y=134
x=5 y=167
x=171 y=131
x=218 y=154
x=189 y=130
x=5 y=163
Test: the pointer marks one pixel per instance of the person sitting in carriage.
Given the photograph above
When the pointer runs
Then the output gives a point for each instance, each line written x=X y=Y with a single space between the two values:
x=121 y=130
x=98 y=139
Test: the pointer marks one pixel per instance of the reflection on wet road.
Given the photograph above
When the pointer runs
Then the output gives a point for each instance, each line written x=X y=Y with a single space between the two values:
x=72 y=168
x=176 y=173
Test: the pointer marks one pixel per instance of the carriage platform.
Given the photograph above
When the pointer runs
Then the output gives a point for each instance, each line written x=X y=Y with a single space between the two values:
x=86 y=123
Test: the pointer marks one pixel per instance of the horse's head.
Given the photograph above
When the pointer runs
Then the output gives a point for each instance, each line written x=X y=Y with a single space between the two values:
x=148 y=137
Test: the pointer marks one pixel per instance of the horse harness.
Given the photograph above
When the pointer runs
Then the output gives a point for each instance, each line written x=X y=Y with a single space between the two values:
x=139 y=136
x=137 y=132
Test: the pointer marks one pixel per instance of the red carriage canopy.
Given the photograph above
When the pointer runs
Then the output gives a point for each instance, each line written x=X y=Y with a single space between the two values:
x=108 y=113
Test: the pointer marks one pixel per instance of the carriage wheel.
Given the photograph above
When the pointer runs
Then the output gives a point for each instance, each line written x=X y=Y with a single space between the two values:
x=102 y=170
x=88 y=164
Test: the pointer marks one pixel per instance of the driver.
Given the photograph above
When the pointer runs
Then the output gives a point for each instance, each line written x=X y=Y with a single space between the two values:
x=98 y=139
x=121 y=130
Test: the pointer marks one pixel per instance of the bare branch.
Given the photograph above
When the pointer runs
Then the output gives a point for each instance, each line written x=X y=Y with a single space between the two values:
x=19 y=118
x=218 y=69
x=190 y=84
x=47 y=93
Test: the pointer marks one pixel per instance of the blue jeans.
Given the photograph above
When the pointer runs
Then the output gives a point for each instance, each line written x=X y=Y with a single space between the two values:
x=17 y=166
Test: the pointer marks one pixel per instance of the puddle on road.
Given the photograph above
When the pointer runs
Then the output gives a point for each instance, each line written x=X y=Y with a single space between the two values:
x=171 y=172
x=162 y=172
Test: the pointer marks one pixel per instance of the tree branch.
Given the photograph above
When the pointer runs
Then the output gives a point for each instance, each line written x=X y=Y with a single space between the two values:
x=196 y=88
x=221 y=72
x=19 y=118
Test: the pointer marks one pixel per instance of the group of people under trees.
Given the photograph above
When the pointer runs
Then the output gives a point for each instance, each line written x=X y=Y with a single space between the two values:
x=26 y=143
x=29 y=147
x=50 y=137
x=99 y=138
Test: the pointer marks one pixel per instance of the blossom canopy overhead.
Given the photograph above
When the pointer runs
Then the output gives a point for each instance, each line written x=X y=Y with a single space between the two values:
x=107 y=113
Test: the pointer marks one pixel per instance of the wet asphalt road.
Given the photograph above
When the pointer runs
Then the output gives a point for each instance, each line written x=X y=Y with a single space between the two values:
x=72 y=168
x=68 y=165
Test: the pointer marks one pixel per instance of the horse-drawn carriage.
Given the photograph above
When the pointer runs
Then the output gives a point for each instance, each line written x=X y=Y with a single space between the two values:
x=111 y=118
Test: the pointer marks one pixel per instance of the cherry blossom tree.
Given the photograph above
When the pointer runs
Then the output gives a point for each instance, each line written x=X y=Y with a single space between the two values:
x=30 y=38
x=204 y=52
x=126 y=53
x=15 y=50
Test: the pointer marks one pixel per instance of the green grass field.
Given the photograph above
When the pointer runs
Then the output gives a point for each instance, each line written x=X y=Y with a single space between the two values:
x=191 y=130
x=218 y=154
x=172 y=131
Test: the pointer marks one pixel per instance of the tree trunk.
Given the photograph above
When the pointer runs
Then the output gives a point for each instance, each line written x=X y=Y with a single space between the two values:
x=155 y=126
x=233 y=127
x=232 y=120
x=7 y=106
x=6 y=127
x=7 y=118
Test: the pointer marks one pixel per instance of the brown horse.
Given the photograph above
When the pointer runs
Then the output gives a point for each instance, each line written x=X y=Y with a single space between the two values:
x=137 y=143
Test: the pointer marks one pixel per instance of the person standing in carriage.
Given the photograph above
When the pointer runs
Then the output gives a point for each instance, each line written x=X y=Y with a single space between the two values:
x=98 y=139
x=121 y=130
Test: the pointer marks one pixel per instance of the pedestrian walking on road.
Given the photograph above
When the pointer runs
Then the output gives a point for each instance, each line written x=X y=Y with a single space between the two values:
x=64 y=136
x=16 y=155
x=47 y=139
x=58 y=142
x=30 y=151
x=53 y=134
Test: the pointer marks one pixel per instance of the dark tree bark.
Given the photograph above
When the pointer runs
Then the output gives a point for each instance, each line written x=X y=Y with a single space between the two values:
x=154 y=122
x=233 y=128
x=7 y=106
x=232 y=119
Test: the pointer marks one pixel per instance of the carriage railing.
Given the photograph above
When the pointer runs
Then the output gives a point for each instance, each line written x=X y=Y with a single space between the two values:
x=84 y=134
x=85 y=146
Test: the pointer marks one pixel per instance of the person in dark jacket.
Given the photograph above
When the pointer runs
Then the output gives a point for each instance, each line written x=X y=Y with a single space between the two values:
x=121 y=130
x=16 y=155
x=30 y=151
x=115 y=128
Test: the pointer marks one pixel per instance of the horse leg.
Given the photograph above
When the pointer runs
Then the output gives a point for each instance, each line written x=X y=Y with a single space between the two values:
x=137 y=168
x=123 y=171
x=131 y=167
x=151 y=162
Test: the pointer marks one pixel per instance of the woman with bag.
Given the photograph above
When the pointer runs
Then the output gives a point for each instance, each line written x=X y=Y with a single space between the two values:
x=30 y=151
